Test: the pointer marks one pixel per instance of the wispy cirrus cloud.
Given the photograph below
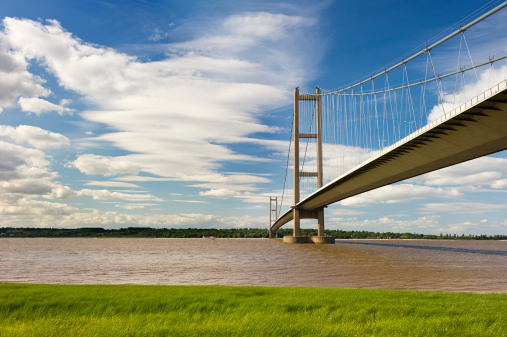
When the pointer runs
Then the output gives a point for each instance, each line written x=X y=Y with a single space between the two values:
x=172 y=114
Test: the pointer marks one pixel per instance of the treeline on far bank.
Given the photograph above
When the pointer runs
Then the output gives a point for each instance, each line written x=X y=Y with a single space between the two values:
x=146 y=232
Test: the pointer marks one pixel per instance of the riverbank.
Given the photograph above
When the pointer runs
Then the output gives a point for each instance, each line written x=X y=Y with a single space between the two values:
x=120 y=310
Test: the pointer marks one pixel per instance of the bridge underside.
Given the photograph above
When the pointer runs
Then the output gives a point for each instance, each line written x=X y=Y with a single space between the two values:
x=478 y=130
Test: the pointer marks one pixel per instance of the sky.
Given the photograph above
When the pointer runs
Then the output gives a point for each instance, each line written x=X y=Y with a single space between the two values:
x=171 y=113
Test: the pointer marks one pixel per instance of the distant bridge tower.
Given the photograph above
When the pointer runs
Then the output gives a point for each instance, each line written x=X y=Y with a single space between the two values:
x=273 y=215
x=302 y=213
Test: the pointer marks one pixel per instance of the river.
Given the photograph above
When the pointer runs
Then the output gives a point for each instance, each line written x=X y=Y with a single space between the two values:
x=471 y=266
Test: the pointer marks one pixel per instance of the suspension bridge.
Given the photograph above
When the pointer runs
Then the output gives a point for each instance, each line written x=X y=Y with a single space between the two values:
x=374 y=133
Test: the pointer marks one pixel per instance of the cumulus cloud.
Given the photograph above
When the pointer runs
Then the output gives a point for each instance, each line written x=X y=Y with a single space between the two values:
x=486 y=79
x=16 y=79
x=34 y=136
x=39 y=106
x=399 y=193
x=473 y=227
x=462 y=207
x=489 y=171
x=426 y=224
x=61 y=192
x=22 y=163
x=71 y=218
x=107 y=166
x=25 y=175
x=15 y=206
x=26 y=172
x=500 y=183
x=345 y=211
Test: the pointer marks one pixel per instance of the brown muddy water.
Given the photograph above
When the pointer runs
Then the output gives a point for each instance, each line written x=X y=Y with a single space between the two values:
x=472 y=266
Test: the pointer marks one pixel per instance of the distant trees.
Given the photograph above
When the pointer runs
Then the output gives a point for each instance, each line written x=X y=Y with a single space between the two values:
x=147 y=232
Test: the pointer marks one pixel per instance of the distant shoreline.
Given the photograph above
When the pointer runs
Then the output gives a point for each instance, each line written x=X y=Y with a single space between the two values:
x=204 y=239
x=231 y=233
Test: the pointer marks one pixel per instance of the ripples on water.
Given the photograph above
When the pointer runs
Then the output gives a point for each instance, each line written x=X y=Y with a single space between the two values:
x=476 y=266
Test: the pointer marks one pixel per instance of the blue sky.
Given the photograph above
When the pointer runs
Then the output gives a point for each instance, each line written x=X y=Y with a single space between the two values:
x=177 y=113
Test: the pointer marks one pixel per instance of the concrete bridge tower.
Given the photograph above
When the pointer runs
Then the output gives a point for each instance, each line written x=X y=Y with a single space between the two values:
x=298 y=212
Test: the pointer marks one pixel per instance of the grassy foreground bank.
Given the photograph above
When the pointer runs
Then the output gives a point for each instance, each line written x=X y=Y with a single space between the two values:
x=126 y=310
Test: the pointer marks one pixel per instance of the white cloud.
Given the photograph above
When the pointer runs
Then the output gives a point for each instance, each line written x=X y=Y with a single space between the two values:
x=192 y=201
x=62 y=192
x=118 y=220
x=426 y=224
x=500 y=183
x=34 y=136
x=486 y=79
x=10 y=207
x=107 y=166
x=108 y=195
x=475 y=228
x=263 y=25
x=39 y=106
x=342 y=212
x=61 y=215
x=112 y=184
x=141 y=178
x=175 y=115
x=16 y=79
x=399 y=193
x=221 y=193
x=226 y=179
x=481 y=171
x=27 y=172
x=21 y=163
x=131 y=206
x=462 y=207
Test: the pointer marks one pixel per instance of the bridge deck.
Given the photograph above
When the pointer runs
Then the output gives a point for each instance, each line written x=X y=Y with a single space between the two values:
x=474 y=129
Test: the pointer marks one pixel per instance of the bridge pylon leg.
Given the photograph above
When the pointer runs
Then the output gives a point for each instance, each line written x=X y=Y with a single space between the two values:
x=297 y=223
x=296 y=235
x=320 y=219
x=321 y=236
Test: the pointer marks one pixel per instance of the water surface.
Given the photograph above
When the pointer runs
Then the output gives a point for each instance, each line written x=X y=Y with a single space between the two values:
x=475 y=266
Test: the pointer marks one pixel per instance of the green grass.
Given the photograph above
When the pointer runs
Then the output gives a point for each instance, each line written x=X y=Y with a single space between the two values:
x=126 y=310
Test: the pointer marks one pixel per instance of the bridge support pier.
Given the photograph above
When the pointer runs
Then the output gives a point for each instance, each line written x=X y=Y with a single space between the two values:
x=273 y=234
x=297 y=239
x=305 y=214
x=322 y=239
